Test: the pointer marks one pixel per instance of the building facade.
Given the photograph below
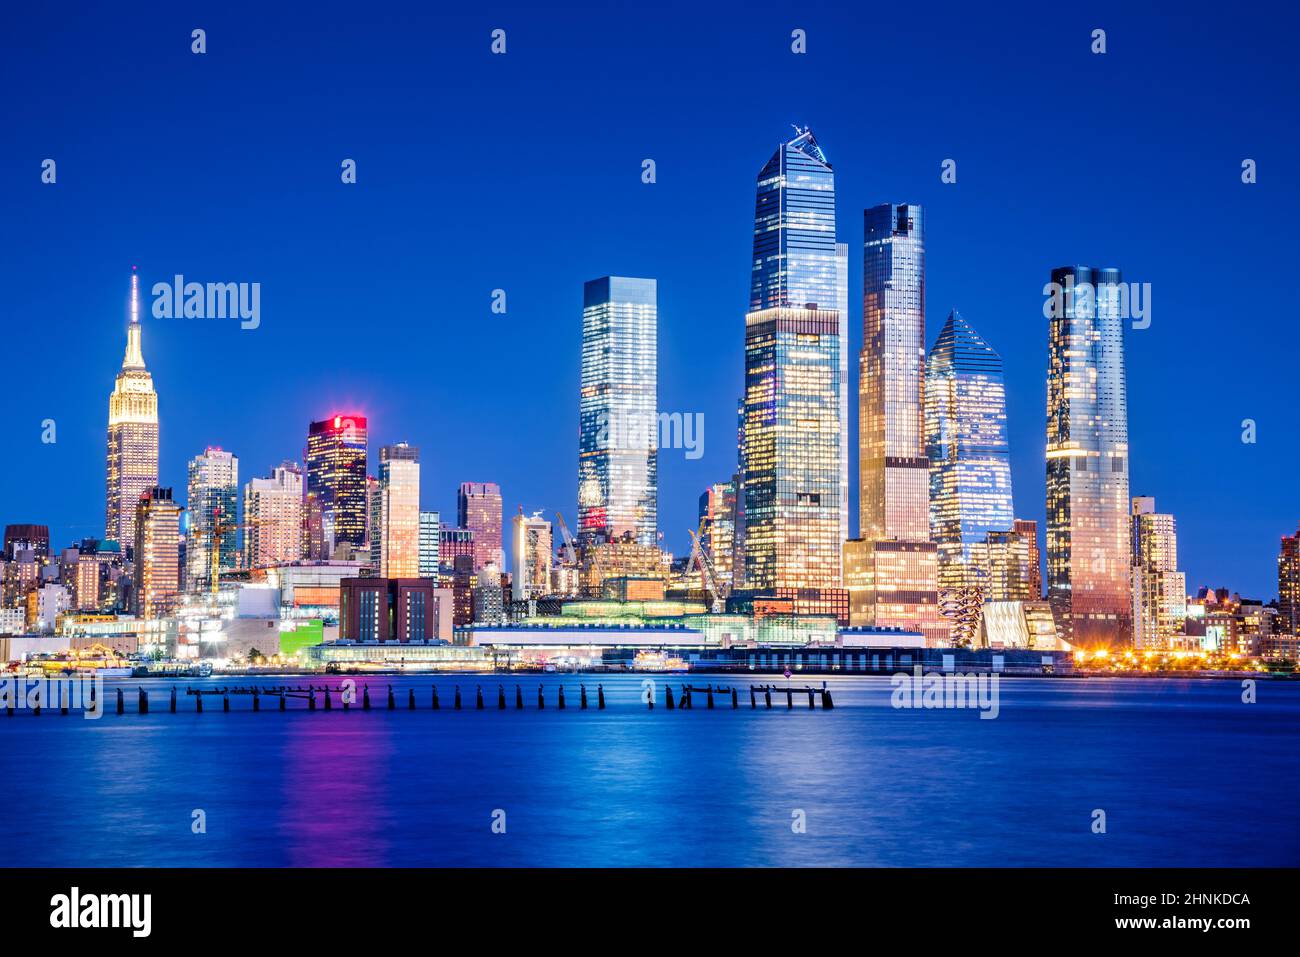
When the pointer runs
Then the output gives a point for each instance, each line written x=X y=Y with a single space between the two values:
x=618 y=457
x=478 y=508
x=132 y=462
x=273 y=518
x=1088 y=575
x=891 y=570
x=1288 y=586
x=430 y=535
x=1159 y=589
x=790 y=429
x=211 y=518
x=395 y=528
x=532 y=556
x=157 y=554
x=336 y=480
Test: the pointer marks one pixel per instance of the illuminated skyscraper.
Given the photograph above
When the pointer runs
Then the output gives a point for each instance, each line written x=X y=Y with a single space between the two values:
x=532 y=556
x=132 y=433
x=790 y=453
x=1288 y=585
x=157 y=554
x=1087 y=459
x=1159 y=588
x=891 y=570
x=618 y=459
x=336 y=479
x=273 y=518
x=395 y=536
x=478 y=508
x=970 y=468
x=211 y=517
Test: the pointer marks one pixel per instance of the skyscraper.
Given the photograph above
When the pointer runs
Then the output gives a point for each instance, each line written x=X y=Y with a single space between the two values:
x=718 y=516
x=395 y=538
x=532 y=556
x=478 y=508
x=1087 y=459
x=132 y=433
x=1288 y=585
x=618 y=458
x=790 y=418
x=1159 y=589
x=970 y=466
x=273 y=518
x=336 y=479
x=211 y=517
x=157 y=554
x=891 y=569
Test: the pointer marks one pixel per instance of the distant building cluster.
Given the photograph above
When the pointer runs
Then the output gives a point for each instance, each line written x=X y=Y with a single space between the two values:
x=342 y=542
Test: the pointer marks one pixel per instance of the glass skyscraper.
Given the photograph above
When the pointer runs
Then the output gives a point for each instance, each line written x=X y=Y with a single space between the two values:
x=618 y=459
x=132 y=461
x=336 y=480
x=211 y=532
x=790 y=451
x=1088 y=581
x=968 y=452
x=478 y=508
x=891 y=569
x=395 y=530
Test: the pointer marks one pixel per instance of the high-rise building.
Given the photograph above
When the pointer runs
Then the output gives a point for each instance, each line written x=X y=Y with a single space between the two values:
x=1288 y=585
x=1159 y=589
x=132 y=433
x=336 y=478
x=1088 y=580
x=478 y=508
x=273 y=518
x=395 y=536
x=1027 y=529
x=211 y=532
x=157 y=554
x=454 y=543
x=618 y=457
x=891 y=570
x=966 y=444
x=430 y=533
x=790 y=418
x=532 y=556
x=970 y=469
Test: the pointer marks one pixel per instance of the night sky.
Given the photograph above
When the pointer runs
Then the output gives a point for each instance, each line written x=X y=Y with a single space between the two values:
x=523 y=172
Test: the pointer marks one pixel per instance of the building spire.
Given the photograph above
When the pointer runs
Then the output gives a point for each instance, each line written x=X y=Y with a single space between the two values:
x=134 y=358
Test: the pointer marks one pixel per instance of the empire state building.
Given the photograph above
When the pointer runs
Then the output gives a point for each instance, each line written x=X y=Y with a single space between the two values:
x=132 y=467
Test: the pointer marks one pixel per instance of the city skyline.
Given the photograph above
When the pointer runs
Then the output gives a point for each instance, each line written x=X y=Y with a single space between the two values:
x=1179 y=377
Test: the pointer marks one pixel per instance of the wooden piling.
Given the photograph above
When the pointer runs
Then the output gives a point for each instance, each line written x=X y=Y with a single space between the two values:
x=365 y=697
x=827 y=704
x=284 y=703
x=752 y=703
x=767 y=696
x=410 y=699
x=789 y=697
x=710 y=707
x=734 y=704
x=478 y=699
x=198 y=703
x=392 y=702
x=457 y=697
x=121 y=705
x=810 y=699
x=501 y=698
x=257 y=701
x=311 y=698
x=541 y=698
x=668 y=697
x=600 y=698
x=561 y=697
x=225 y=701
x=583 y=690
x=173 y=700
x=519 y=697
x=435 y=698
x=329 y=704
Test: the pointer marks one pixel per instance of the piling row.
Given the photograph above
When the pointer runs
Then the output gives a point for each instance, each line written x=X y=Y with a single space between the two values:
x=684 y=700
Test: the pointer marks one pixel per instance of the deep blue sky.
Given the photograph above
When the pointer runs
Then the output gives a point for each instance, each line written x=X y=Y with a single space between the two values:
x=523 y=172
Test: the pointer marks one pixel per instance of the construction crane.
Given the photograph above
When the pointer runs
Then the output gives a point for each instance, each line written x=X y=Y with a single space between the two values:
x=219 y=529
x=570 y=552
x=702 y=560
